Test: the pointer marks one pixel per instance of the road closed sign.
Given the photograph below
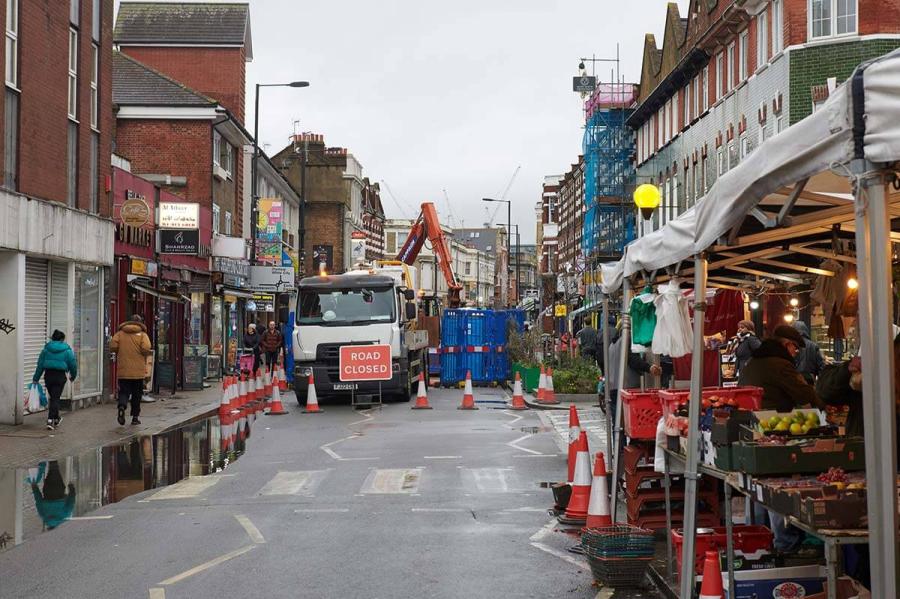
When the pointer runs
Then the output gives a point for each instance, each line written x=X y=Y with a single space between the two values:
x=365 y=363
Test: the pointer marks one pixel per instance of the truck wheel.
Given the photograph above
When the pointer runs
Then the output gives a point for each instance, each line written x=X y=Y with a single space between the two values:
x=406 y=394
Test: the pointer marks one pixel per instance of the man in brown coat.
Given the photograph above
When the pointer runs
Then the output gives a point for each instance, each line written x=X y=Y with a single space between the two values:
x=131 y=346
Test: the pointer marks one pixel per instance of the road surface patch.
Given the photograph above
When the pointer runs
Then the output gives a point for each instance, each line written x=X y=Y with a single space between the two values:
x=392 y=481
x=188 y=488
x=300 y=482
x=487 y=480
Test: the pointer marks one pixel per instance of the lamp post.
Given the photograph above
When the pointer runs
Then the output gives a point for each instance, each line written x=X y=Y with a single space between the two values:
x=646 y=198
x=518 y=258
x=254 y=194
x=508 y=233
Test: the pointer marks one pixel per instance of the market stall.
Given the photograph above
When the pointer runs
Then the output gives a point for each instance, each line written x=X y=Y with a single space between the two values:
x=828 y=178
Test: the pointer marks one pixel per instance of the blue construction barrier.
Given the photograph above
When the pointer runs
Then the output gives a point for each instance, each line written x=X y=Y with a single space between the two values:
x=476 y=341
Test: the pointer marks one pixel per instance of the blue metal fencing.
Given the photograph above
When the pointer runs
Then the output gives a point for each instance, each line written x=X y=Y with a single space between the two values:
x=476 y=341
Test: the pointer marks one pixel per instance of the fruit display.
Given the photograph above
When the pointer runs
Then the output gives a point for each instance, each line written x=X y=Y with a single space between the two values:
x=834 y=475
x=797 y=423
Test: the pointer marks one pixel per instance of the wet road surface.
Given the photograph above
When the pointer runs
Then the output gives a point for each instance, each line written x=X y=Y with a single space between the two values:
x=387 y=502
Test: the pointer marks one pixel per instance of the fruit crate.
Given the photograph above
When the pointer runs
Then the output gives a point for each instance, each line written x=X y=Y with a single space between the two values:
x=746 y=398
x=807 y=456
x=642 y=412
x=749 y=539
x=836 y=509
x=633 y=454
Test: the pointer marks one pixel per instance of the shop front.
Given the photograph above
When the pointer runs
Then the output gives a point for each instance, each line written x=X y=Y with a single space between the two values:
x=231 y=278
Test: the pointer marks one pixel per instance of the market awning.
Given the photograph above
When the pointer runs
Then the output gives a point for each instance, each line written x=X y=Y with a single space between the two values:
x=172 y=297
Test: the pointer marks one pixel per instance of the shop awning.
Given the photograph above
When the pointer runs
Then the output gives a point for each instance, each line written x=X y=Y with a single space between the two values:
x=172 y=297
x=237 y=293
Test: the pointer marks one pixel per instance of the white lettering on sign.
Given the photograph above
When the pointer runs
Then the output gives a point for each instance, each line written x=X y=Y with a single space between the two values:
x=365 y=363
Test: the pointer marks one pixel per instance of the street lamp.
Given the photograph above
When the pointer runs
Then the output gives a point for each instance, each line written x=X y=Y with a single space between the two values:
x=509 y=232
x=254 y=194
x=646 y=198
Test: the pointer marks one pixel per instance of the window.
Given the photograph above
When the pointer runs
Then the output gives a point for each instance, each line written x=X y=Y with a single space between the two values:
x=10 y=139
x=703 y=181
x=391 y=241
x=704 y=96
x=73 y=74
x=223 y=157
x=95 y=154
x=763 y=133
x=675 y=114
x=729 y=68
x=696 y=96
x=782 y=123
x=746 y=146
x=777 y=26
x=468 y=268
x=831 y=17
x=722 y=166
x=227 y=230
x=95 y=20
x=72 y=166
x=720 y=75
x=12 y=43
x=74 y=6
x=693 y=189
x=95 y=73
x=733 y=157
x=846 y=17
x=762 y=39
x=215 y=218
x=744 y=45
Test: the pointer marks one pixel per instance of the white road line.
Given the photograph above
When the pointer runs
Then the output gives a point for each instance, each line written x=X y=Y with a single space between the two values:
x=157 y=593
x=336 y=510
x=327 y=449
x=90 y=518
x=188 y=488
x=515 y=420
x=544 y=531
x=487 y=480
x=443 y=457
x=437 y=509
x=567 y=558
x=207 y=565
x=367 y=416
x=252 y=531
x=537 y=455
x=514 y=445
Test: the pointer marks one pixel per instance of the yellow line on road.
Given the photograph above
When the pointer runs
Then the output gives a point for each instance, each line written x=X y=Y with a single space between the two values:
x=252 y=531
x=157 y=593
x=206 y=566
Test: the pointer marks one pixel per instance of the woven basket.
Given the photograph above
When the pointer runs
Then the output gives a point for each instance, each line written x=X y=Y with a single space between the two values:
x=619 y=571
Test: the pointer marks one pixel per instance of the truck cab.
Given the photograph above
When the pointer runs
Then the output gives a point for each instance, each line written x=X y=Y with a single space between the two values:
x=361 y=307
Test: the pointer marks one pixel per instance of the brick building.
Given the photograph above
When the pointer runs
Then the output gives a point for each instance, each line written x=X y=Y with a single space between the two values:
x=56 y=245
x=373 y=220
x=733 y=73
x=548 y=225
x=570 y=205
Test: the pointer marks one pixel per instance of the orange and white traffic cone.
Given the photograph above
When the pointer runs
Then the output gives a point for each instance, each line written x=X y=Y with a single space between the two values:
x=312 y=402
x=549 y=393
x=251 y=389
x=225 y=403
x=518 y=400
x=282 y=379
x=422 y=395
x=577 y=510
x=574 y=433
x=711 y=587
x=468 y=400
x=275 y=407
x=242 y=393
x=598 y=507
x=542 y=384
x=267 y=376
x=224 y=430
x=260 y=384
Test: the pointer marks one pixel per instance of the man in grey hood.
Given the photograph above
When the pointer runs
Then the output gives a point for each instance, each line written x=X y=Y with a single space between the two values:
x=809 y=360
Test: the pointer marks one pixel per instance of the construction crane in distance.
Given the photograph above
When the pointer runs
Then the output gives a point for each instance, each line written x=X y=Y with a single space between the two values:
x=449 y=210
x=502 y=197
x=403 y=210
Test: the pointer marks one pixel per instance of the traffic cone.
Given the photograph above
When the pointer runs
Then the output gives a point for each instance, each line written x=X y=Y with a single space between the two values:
x=421 y=396
x=577 y=510
x=268 y=381
x=282 y=379
x=711 y=587
x=224 y=404
x=242 y=392
x=224 y=434
x=258 y=381
x=251 y=389
x=574 y=432
x=542 y=384
x=598 y=507
x=312 y=402
x=549 y=393
x=468 y=400
x=518 y=400
x=275 y=407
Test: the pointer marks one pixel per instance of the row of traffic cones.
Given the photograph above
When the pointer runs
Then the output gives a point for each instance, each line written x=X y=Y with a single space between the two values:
x=545 y=392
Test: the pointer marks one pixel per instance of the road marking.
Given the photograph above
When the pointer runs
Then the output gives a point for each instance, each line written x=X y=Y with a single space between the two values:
x=443 y=457
x=207 y=565
x=90 y=518
x=157 y=593
x=515 y=420
x=514 y=445
x=336 y=510
x=487 y=480
x=537 y=455
x=525 y=509
x=394 y=481
x=327 y=449
x=300 y=482
x=188 y=488
x=544 y=531
x=605 y=593
x=367 y=416
x=567 y=558
x=252 y=531
x=437 y=509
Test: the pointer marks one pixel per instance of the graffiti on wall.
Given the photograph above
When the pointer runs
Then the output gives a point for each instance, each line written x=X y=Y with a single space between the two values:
x=6 y=326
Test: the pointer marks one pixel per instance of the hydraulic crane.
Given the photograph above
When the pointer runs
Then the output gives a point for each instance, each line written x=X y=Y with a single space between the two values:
x=427 y=225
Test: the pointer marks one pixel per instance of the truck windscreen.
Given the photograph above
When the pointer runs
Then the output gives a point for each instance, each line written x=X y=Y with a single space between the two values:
x=343 y=307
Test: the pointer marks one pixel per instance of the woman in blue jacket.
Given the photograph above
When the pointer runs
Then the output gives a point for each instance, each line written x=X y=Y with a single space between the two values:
x=56 y=359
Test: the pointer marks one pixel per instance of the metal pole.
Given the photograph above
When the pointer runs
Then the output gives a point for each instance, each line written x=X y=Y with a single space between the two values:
x=301 y=233
x=693 y=445
x=873 y=243
x=606 y=367
x=625 y=349
x=508 y=245
x=253 y=184
x=518 y=257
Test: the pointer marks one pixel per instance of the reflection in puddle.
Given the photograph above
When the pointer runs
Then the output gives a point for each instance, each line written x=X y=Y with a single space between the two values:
x=40 y=498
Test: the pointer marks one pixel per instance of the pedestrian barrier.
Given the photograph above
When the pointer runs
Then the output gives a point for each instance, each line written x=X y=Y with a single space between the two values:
x=312 y=402
x=480 y=338
x=468 y=400
x=421 y=396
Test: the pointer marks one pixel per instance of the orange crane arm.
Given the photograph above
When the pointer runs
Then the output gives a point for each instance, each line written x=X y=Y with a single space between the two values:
x=427 y=225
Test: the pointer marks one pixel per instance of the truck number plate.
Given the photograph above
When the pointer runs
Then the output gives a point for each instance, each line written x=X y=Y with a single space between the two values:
x=344 y=387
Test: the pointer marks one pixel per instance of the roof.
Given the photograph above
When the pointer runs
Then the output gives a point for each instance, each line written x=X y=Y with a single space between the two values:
x=220 y=23
x=136 y=84
x=485 y=240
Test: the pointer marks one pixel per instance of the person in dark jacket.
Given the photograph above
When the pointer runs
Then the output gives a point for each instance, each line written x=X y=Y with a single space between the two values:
x=56 y=360
x=744 y=343
x=809 y=360
x=772 y=368
x=54 y=504
x=635 y=367
x=252 y=340
x=589 y=342
x=271 y=342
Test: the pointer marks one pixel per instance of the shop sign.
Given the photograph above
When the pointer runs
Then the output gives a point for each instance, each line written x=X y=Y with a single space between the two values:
x=236 y=282
x=584 y=84
x=561 y=310
x=182 y=243
x=274 y=279
x=230 y=266
x=135 y=236
x=265 y=302
x=134 y=211
x=143 y=267
x=357 y=247
x=178 y=215
x=269 y=228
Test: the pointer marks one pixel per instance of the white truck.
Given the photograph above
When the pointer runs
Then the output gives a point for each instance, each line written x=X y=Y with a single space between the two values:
x=360 y=307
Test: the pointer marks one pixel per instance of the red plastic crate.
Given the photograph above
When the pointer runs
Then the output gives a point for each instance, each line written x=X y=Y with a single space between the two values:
x=748 y=398
x=748 y=539
x=642 y=412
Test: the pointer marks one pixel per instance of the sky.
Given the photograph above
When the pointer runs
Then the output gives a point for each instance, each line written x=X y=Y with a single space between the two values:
x=436 y=95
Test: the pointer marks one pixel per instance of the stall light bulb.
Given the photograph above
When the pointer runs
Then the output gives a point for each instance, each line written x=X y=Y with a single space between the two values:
x=754 y=305
x=789 y=318
x=794 y=302
x=852 y=283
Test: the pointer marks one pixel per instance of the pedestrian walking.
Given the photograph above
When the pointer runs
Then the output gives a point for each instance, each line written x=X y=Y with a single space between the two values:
x=56 y=502
x=56 y=360
x=131 y=345
x=271 y=342
x=251 y=342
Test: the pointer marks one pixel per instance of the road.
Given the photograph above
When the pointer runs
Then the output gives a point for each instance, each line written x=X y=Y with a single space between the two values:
x=384 y=503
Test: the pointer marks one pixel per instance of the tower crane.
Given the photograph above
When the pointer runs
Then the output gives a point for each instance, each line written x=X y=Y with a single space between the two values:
x=490 y=222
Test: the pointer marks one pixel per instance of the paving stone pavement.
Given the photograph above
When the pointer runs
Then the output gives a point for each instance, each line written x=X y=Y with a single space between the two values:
x=96 y=426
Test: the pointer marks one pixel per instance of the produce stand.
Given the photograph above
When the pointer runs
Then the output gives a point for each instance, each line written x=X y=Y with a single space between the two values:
x=832 y=176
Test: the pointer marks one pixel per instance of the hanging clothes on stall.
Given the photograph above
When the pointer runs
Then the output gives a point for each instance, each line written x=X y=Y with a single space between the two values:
x=673 y=335
x=643 y=318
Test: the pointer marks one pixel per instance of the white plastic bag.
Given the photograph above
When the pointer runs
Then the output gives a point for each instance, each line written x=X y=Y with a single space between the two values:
x=33 y=399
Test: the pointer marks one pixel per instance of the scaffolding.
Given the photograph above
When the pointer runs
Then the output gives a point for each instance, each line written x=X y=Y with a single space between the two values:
x=608 y=145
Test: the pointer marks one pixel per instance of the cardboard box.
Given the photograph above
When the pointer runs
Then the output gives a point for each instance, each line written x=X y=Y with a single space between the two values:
x=808 y=456
x=798 y=581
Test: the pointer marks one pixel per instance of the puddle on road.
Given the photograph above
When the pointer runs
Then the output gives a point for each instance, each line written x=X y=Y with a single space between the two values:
x=40 y=498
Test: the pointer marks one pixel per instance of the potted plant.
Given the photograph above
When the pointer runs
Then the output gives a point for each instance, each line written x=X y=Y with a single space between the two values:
x=575 y=379
x=524 y=354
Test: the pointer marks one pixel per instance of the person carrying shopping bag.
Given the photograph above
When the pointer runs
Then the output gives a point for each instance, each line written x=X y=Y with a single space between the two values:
x=56 y=360
x=131 y=345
